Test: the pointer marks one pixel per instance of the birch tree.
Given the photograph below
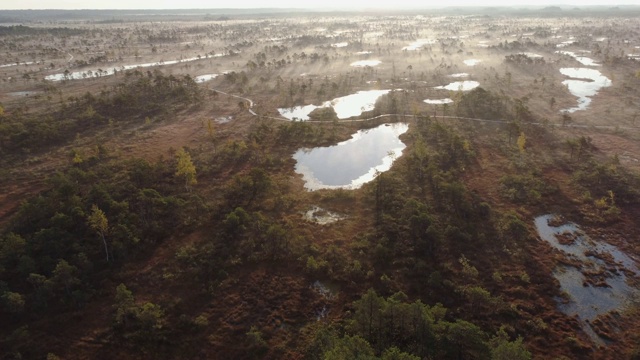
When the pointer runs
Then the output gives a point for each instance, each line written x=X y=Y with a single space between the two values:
x=99 y=223
x=186 y=168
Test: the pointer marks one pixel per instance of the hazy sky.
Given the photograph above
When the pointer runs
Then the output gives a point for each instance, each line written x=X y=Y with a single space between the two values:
x=335 y=4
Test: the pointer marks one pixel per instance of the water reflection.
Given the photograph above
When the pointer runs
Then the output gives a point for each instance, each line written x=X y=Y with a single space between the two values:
x=95 y=73
x=460 y=85
x=17 y=63
x=363 y=63
x=351 y=163
x=583 y=89
x=581 y=59
x=418 y=44
x=438 y=101
x=205 y=78
x=606 y=289
x=345 y=106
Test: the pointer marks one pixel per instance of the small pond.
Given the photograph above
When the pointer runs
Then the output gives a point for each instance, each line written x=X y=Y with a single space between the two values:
x=345 y=106
x=17 y=63
x=438 y=101
x=24 y=93
x=418 y=44
x=459 y=75
x=300 y=113
x=363 y=63
x=472 y=62
x=460 y=85
x=351 y=163
x=205 y=78
x=581 y=59
x=583 y=89
x=340 y=45
x=607 y=288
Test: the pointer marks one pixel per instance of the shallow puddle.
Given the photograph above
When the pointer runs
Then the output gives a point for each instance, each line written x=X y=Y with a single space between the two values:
x=321 y=216
x=352 y=163
x=224 y=119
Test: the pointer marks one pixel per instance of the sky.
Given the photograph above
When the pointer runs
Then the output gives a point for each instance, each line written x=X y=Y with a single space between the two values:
x=333 y=4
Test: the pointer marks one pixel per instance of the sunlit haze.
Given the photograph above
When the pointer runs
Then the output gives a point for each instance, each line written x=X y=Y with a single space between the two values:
x=328 y=4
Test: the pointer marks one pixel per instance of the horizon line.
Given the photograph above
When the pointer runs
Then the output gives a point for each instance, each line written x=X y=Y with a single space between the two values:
x=330 y=8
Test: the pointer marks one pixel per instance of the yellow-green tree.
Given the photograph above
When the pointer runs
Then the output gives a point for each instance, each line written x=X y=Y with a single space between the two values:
x=211 y=130
x=98 y=222
x=522 y=142
x=186 y=168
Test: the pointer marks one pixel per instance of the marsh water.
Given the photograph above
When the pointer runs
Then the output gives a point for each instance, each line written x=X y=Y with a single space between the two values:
x=79 y=75
x=352 y=163
x=460 y=85
x=205 y=78
x=438 y=101
x=584 y=84
x=580 y=58
x=472 y=62
x=321 y=216
x=345 y=106
x=418 y=44
x=585 y=300
x=363 y=63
